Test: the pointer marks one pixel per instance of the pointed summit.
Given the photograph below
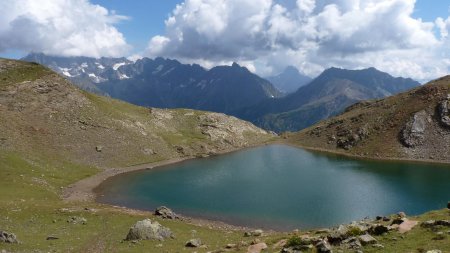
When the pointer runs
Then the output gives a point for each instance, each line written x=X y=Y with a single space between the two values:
x=289 y=80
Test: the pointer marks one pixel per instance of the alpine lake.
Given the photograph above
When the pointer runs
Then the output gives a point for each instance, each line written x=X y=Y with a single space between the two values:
x=283 y=188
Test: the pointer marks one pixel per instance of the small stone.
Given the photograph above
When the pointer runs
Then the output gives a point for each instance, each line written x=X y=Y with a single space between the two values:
x=230 y=246
x=401 y=215
x=194 y=243
x=255 y=241
x=434 y=251
x=367 y=239
x=77 y=220
x=7 y=237
x=378 y=229
x=280 y=244
x=323 y=231
x=398 y=221
x=257 y=232
x=165 y=213
x=428 y=224
x=378 y=246
x=99 y=148
x=256 y=248
x=324 y=247
x=352 y=243
x=439 y=236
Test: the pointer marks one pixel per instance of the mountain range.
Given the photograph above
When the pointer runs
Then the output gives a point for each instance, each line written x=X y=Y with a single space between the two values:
x=234 y=90
x=327 y=95
x=164 y=83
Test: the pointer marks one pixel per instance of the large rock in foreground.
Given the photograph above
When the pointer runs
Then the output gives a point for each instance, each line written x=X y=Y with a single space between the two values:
x=148 y=230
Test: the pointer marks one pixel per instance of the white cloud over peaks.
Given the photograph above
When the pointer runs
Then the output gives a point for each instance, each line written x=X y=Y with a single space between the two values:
x=310 y=34
x=60 y=27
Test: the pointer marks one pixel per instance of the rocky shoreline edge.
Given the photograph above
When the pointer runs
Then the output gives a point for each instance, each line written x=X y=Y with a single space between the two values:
x=366 y=158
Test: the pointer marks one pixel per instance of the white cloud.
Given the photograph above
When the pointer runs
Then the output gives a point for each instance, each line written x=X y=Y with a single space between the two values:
x=310 y=34
x=60 y=27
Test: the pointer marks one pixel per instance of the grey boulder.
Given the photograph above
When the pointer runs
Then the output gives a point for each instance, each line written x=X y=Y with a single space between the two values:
x=148 y=230
x=8 y=237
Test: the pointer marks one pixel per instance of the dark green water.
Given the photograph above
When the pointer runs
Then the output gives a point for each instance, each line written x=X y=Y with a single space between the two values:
x=283 y=187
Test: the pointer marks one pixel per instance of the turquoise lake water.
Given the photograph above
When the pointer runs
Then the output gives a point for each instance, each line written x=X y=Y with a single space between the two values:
x=282 y=187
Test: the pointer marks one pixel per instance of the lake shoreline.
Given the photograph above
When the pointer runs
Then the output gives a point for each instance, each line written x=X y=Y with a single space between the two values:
x=364 y=158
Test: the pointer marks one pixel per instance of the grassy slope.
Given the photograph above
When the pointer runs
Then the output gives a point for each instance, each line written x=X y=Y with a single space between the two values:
x=33 y=168
x=49 y=134
x=384 y=120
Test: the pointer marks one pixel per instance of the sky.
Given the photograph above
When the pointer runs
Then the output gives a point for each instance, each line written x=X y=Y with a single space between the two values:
x=403 y=37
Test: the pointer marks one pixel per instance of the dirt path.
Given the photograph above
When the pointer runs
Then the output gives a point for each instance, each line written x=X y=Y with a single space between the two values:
x=83 y=190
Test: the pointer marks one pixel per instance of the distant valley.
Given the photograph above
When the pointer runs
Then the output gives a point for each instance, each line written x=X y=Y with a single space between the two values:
x=278 y=104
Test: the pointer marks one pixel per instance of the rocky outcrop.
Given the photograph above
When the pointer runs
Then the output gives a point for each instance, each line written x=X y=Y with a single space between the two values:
x=347 y=139
x=413 y=134
x=444 y=112
x=228 y=130
x=414 y=125
x=148 y=230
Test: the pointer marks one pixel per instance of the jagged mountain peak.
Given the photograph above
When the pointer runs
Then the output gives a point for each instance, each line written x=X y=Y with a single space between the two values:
x=289 y=80
x=165 y=83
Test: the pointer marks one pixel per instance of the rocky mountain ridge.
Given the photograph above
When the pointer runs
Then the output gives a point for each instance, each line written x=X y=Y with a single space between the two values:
x=164 y=83
x=327 y=95
x=412 y=126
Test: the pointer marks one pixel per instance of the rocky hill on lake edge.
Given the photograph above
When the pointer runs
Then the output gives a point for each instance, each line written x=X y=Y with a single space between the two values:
x=414 y=125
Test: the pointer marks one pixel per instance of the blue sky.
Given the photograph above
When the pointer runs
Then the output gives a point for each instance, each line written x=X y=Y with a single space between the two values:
x=264 y=35
x=147 y=17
